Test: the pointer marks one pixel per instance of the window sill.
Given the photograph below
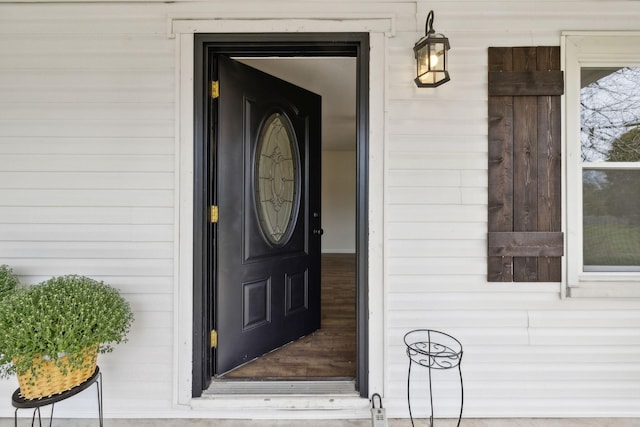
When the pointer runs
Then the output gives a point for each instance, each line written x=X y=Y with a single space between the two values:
x=605 y=289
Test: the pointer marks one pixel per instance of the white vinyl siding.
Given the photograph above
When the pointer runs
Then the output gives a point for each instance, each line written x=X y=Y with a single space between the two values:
x=88 y=173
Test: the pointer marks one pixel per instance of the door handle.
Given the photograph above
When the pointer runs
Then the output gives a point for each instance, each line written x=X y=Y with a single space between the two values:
x=318 y=231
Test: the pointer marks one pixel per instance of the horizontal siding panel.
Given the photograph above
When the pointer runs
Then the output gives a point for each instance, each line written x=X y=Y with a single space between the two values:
x=423 y=178
x=87 y=232
x=80 y=128
x=538 y=374
x=149 y=302
x=402 y=87
x=127 y=352
x=87 y=146
x=451 y=161
x=471 y=196
x=85 y=180
x=434 y=248
x=140 y=285
x=140 y=372
x=448 y=388
x=472 y=127
x=85 y=215
x=437 y=231
x=51 y=22
x=106 y=86
x=598 y=319
x=69 y=54
x=585 y=336
x=64 y=44
x=94 y=266
x=431 y=195
x=410 y=110
x=156 y=404
x=553 y=373
x=457 y=283
x=453 y=282
x=57 y=197
x=535 y=376
x=123 y=17
x=465 y=300
x=155 y=319
x=558 y=407
x=82 y=111
x=88 y=163
x=150 y=337
x=128 y=284
x=503 y=17
x=482 y=356
x=445 y=145
x=86 y=250
x=478 y=357
x=441 y=265
x=152 y=395
x=436 y=213
x=570 y=354
x=467 y=337
x=444 y=319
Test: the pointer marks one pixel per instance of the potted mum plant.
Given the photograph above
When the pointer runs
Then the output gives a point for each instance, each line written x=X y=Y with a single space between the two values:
x=8 y=281
x=51 y=333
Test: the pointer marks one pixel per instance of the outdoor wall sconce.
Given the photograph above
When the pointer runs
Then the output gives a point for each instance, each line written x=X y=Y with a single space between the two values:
x=431 y=57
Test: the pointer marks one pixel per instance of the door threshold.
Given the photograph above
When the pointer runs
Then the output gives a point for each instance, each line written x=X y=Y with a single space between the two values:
x=284 y=387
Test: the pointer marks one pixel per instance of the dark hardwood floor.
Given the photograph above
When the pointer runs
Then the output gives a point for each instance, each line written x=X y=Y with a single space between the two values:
x=329 y=352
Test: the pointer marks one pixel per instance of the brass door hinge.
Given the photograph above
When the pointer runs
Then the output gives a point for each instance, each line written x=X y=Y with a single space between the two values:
x=214 y=338
x=213 y=214
x=215 y=89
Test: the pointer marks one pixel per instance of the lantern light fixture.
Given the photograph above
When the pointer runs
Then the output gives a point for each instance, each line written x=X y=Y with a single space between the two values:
x=431 y=57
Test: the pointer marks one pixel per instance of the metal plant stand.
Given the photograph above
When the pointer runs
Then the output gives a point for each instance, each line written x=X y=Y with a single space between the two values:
x=20 y=402
x=433 y=350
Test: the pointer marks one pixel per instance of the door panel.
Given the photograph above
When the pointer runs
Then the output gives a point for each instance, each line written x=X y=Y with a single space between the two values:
x=268 y=193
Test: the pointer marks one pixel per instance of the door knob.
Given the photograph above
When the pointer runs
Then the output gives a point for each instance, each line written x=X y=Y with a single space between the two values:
x=318 y=231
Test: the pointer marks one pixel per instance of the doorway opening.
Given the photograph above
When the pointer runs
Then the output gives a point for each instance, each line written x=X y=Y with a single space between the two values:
x=273 y=52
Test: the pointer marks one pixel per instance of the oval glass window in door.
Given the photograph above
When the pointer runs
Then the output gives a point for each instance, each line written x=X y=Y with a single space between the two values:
x=277 y=181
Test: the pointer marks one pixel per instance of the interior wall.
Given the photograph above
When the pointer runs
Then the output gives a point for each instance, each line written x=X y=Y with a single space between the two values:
x=339 y=201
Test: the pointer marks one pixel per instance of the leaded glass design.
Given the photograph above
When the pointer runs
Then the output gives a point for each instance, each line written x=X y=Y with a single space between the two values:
x=277 y=179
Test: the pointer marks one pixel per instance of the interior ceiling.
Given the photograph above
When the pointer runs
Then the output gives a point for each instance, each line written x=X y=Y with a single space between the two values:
x=332 y=78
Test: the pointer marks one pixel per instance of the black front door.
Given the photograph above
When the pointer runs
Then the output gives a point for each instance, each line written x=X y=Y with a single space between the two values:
x=267 y=189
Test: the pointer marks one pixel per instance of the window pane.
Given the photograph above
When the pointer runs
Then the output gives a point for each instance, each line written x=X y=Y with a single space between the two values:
x=610 y=114
x=611 y=220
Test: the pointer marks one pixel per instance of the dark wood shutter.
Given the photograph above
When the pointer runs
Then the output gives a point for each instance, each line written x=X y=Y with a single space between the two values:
x=525 y=242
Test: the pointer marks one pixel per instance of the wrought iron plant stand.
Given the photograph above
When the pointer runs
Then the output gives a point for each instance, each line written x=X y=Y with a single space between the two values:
x=433 y=350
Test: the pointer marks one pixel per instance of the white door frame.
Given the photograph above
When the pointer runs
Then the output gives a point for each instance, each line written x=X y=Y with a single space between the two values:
x=183 y=30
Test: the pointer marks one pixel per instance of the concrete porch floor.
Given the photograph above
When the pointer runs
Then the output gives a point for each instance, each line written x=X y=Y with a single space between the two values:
x=503 y=422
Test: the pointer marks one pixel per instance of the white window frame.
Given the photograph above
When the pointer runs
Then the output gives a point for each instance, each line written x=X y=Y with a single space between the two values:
x=589 y=49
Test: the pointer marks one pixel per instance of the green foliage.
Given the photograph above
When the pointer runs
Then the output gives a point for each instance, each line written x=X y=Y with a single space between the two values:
x=626 y=148
x=61 y=316
x=8 y=281
x=611 y=244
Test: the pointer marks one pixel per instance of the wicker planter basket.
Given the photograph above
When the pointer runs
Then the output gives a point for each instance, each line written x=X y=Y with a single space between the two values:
x=50 y=380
